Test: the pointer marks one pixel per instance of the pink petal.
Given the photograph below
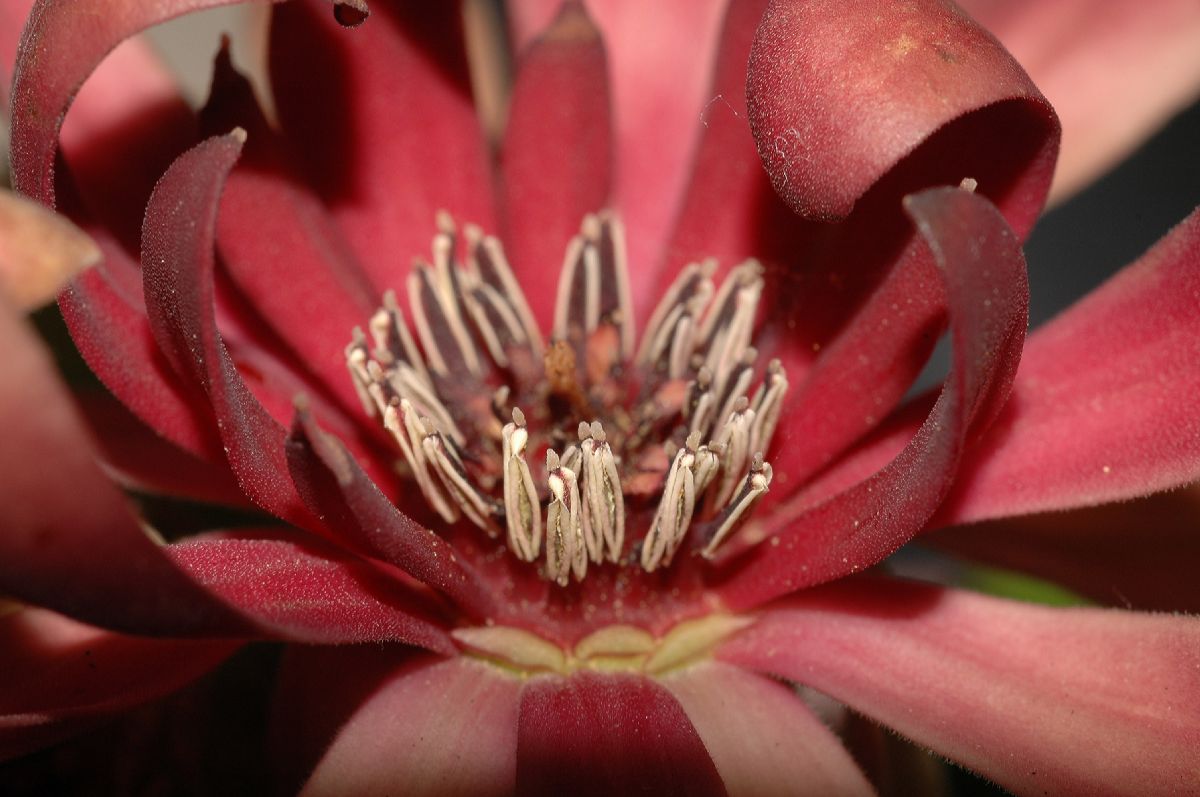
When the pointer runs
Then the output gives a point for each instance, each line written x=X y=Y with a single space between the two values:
x=763 y=739
x=306 y=593
x=439 y=728
x=1040 y=700
x=987 y=295
x=606 y=734
x=337 y=490
x=840 y=94
x=177 y=266
x=1105 y=403
x=60 y=676
x=70 y=541
x=382 y=117
x=1139 y=553
x=557 y=156
x=660 y=63
x=1079 y=56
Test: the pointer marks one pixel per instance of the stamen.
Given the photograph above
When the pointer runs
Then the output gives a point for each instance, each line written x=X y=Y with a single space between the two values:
x=603 y=501
x=752 y=488
x=674 y=511
x=356 y=363
x=593 y=287
x=439 y=325
x=486 y=261
x=693 y=287
x=735 y=437
x=768 y=405
x=565 y=550
x=400 y=418
x=480 y=509
x=392 y=337
x=522 y=510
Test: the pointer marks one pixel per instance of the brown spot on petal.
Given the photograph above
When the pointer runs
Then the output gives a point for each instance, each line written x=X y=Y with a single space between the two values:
x=350 y=13
x=40 y=251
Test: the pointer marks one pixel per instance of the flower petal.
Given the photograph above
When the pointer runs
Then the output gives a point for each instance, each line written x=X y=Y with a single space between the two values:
x=763 y=739
x=70 y=541
x=60 y=676
x=839 y=94
x=337 y=490
x=428 y=728
x=39 y=251
x=306 y=593
x=987 y=294
x=660 y=61
x=177 y=267
x=605 y=734
x=557 y=156
x=382 y=117
x=1065 y=701
x=1139 y=553
x=1105 y=405
x=1080 y=59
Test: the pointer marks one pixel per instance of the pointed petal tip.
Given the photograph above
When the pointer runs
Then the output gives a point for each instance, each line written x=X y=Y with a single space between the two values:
x=40 y=251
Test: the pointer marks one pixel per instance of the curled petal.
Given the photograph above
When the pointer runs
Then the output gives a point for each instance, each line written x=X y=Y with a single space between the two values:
x=61 y=676
x=1077 y=701
x=987 y=294
x=762 y=737
x=604 y=734
x=840 y=94
x=1106 y=404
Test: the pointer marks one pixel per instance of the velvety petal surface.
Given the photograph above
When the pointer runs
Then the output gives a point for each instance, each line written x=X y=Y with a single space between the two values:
x=1077 y=701
x=987 y=294
x=177 y=266
x=601 y=734
x=838 y=94
x=557 y=156
x=1140 y=554
x=763 y=740
x=382 y=118
x=70 y=541
x=436 y=728
x=306 y=593
x=60 y=675
x=1105 y=405
x=1114 y=71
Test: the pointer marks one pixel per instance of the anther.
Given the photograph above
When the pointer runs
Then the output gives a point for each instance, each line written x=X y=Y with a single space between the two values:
x=522 y=510
x=603 y=511
x=752 y=488
x=675 y=511
x=565 y=550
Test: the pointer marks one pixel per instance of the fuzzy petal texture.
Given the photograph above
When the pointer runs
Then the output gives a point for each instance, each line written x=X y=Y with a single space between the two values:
x=987 y=293
x=601 y=734
x=1114 y=71
x=1078 y=701
x=1106 y=404
x=839 y=94
x=436 y=728
x=763 y=739
x=61 y=676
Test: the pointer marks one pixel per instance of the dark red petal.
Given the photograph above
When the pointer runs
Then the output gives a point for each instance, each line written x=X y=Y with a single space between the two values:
x=70 y=541
x=1141 y=553
x=399 y=725
x=840 y=94
x=177 y=266
x=762 y=737
x=608 y=734
x=1040 y=700
x=1106 y=404
x=987 y=294
x=382 y=117
x=306 y=593
x=557 y=157
x=61 y=676
x=337 y=490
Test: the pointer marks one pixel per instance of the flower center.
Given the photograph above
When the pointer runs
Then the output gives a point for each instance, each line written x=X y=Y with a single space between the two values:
x=572 y=445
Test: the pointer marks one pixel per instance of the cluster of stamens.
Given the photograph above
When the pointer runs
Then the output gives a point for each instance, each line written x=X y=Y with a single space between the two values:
x=675 y=419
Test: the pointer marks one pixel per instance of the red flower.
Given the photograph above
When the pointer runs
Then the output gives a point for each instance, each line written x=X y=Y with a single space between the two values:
x=616 y=618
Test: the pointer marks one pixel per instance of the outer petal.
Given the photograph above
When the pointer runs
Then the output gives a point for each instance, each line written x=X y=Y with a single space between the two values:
x=839 y=94
x=1142 y=553
x=608 y=734
x=987 y=293
x=437 y=728
x=177 y=266
x=660 y=62
x=70 y=541
x=60 y=675
x=1079 y=53
x=382 y=117
x=1065 y=701
x=763 y=739
x=307 y=594
x=1105 y=405
x=557 y=156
